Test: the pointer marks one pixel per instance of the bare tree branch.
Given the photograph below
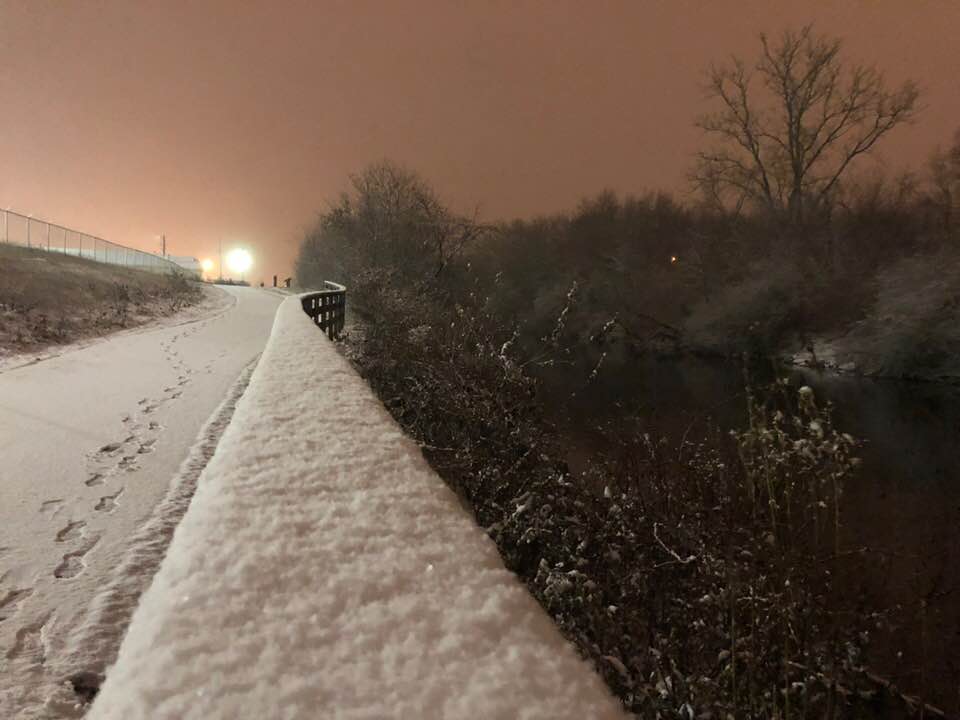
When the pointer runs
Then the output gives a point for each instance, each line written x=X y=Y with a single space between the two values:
x=790 y=128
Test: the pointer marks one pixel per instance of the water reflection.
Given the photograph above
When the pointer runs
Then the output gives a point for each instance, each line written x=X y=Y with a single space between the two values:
x=904 y=508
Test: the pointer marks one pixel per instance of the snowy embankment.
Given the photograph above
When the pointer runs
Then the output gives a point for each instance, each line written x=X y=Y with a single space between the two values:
x=324 y=570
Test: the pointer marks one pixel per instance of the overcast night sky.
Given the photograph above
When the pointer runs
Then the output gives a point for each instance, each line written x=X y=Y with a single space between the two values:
x=240 y=120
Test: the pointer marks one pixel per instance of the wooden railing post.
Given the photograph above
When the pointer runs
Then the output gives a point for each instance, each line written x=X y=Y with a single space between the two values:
x=328 y=308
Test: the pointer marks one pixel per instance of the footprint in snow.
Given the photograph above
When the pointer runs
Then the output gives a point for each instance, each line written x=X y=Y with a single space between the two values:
x=51 y=507
x=94 y=480
x=9 y=602
x=29 y=641
x=72 y=563
x=108 y=503
x=71 y=531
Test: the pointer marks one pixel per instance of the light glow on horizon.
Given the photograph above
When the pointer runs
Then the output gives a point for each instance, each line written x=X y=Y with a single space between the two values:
x=239 y=260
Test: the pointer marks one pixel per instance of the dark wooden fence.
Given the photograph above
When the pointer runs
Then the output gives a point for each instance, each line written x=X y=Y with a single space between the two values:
x=328 y=308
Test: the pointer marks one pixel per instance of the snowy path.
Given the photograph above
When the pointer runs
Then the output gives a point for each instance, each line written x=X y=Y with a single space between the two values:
x=323 y=570
x=89 y=443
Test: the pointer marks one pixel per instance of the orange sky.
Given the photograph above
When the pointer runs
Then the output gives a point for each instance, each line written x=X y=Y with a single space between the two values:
x=239 y=120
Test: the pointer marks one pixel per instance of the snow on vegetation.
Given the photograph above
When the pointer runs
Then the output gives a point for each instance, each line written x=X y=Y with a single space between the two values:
x=323 y=570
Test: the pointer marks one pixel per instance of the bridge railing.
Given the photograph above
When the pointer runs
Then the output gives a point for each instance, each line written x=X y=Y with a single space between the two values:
x=28 y=231
x=328 y=308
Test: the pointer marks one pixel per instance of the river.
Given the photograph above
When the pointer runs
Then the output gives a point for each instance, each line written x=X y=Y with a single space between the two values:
x=904 y=506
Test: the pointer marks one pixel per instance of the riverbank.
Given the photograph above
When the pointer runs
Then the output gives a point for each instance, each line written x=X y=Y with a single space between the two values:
x=647 y=549
x=912 y=329
x=902 y=324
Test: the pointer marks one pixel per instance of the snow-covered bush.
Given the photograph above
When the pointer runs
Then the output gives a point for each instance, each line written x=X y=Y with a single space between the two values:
x=699 y=578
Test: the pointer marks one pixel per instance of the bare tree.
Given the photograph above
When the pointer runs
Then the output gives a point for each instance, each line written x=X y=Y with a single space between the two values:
x=391 y=221
x=792 y=124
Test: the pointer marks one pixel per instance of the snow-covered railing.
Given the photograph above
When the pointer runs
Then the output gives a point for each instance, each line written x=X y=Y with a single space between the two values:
x=328 y=308
x=323 y=570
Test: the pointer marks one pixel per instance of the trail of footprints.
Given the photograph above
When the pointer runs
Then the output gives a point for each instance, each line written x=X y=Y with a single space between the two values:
x=112 y=462
x=109 y=461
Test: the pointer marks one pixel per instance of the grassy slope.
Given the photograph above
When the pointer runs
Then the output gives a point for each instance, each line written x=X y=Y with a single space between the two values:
x=49 y=299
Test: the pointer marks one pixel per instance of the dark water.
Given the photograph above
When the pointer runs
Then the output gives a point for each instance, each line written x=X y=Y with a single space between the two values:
x=904 y=505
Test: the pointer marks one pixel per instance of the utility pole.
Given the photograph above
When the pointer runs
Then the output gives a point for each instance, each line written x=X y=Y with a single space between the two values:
x=163 y=240
x=220 y=262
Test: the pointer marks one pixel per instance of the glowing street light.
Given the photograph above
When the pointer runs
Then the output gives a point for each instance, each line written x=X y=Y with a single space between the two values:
x=239 y=261
x=206 y=265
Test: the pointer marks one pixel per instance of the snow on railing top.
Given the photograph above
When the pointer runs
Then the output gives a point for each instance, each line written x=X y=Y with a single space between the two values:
x=324 y=570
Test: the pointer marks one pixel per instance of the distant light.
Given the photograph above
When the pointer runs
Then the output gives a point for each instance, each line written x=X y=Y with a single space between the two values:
x=239 y=260
x=206 y=265
x=673 y=258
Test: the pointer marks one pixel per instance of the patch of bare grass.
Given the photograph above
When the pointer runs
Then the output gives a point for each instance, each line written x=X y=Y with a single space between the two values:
x=48 y=299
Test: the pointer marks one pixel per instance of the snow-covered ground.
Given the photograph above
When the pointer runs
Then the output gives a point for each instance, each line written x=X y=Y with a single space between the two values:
x=323 y=570
x=99 y=445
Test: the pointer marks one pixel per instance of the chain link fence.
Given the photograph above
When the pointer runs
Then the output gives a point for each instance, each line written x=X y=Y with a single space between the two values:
x=30 y=232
